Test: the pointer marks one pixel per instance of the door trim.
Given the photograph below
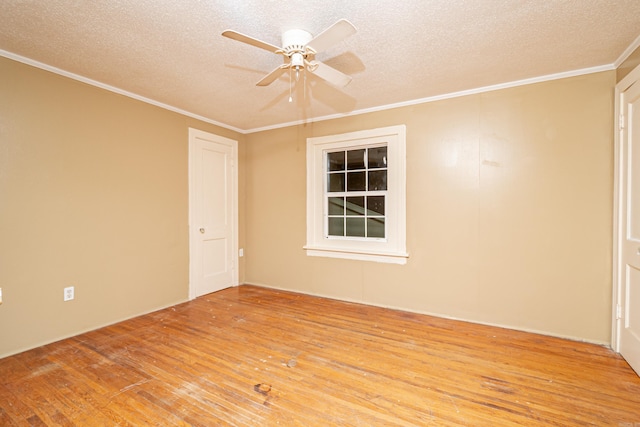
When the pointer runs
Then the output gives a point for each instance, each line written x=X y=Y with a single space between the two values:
x=194 y=135
x=616 y=300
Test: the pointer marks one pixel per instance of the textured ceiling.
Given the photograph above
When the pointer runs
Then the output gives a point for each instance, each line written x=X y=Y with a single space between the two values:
x=172 y=52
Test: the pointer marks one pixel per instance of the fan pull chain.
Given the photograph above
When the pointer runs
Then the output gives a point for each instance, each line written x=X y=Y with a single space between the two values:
x=304 y=82
x=290 y=83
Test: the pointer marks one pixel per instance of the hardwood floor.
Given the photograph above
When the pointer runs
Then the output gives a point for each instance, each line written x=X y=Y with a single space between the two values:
x=250 y=356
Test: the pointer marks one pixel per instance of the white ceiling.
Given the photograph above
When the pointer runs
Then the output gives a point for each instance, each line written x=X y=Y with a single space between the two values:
x=171 y=52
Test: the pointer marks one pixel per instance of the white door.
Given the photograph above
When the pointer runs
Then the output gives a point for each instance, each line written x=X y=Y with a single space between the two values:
x=213 y=224
x=627 y=309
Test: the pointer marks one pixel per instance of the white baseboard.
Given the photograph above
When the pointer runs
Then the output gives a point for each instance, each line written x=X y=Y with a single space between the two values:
x=440 y=315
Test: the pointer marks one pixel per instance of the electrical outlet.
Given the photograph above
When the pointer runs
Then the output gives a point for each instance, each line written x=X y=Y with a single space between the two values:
x=0 y=295
x=69 y=293
x=241 y=252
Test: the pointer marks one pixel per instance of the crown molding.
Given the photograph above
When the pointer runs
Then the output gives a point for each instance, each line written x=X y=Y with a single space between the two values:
x=627 y=52
x=434 y=98
x=483 y=89
x=114 y=89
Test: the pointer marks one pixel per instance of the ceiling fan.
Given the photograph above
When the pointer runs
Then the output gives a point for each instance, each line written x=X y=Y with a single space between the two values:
x=299 y=48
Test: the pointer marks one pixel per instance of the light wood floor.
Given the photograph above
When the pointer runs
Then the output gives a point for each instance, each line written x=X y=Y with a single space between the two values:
x=249 y=356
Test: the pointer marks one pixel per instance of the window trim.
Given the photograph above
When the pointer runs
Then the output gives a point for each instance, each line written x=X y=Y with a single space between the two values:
x=392 y=249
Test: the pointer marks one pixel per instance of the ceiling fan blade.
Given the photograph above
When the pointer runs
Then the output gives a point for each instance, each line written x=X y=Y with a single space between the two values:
x=329 y=74
x=332 y=35
x=272 y=76
x=250 y=40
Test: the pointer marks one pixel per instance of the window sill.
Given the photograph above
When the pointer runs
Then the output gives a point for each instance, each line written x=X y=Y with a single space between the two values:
x=359 y=255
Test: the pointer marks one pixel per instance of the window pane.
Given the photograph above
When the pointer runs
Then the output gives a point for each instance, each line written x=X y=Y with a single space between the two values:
x=377 y=157
x=336 y=226
x=375 y=205
x=336 y=205
x=335 y=182
x=378 y=180
x=355 y=227
x=356 y=181
x=355 y=205
x=335 y=161
x=375 y=227
x=355 y=159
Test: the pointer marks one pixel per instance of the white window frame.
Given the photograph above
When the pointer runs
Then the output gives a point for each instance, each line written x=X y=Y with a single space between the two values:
x=391 y=249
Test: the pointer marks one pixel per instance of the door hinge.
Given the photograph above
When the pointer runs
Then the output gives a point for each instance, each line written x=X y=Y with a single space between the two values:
x=618 y=312
x=621 y=122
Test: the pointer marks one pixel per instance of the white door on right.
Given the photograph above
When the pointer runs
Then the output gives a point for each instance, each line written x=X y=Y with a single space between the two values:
x=629 y=225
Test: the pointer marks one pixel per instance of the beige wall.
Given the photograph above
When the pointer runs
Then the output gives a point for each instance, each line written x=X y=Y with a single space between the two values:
x=509 y=212
x=508 y=208
x=93 y=193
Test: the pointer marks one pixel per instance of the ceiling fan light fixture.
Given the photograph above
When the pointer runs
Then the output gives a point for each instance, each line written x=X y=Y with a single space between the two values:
x=297 y=60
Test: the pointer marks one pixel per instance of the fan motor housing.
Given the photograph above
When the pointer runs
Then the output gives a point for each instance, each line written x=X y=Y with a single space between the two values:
x=295 y=41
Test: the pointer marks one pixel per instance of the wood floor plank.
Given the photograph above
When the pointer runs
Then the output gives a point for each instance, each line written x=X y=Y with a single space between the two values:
x=251 y=356
x=13 y=411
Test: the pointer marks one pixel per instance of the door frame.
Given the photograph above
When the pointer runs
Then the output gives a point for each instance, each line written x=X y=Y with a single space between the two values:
x=616 y=313
x=194 y=136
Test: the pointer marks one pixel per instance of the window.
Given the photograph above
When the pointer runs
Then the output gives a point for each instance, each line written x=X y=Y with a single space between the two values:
x=356 y=195
x=356 y=192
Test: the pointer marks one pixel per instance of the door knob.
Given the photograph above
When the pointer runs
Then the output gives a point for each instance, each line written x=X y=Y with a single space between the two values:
x=202 y=230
